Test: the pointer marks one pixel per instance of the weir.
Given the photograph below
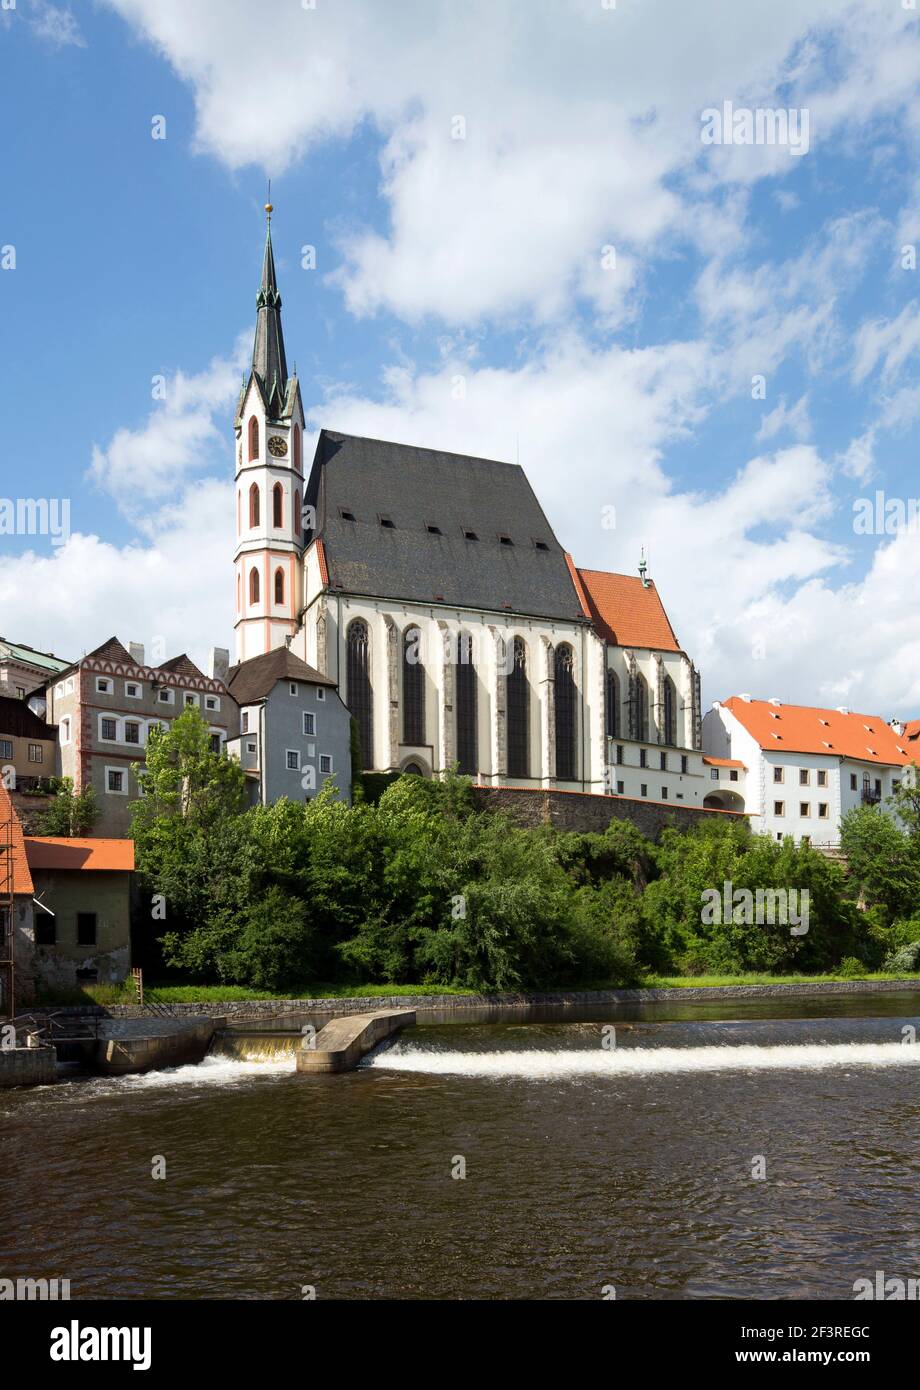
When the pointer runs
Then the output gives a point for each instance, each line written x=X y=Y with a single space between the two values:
x=343 y=1042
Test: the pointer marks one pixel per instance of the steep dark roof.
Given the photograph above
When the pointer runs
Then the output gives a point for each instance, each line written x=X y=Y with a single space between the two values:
x=420 y=489
x=181 y=666
x=268 y=360
x=18 y=721
x=254 y=679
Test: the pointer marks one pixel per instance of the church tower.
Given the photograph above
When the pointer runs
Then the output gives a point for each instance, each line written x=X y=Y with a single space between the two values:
x=269 y=483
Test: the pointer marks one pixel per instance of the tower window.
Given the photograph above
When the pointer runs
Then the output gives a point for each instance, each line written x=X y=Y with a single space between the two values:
x=253 y=438
x=279 y=586
x=278 y=505
x=298 y=456
x=253 y=585
x=254 y=509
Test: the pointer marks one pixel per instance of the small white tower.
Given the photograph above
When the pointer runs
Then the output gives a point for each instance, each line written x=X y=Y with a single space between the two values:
x=269 y=483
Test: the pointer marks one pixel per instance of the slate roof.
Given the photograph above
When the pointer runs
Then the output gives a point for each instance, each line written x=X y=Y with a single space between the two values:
x=254 y=679
x=627 y=612
x=806 y=729
x=419 y=489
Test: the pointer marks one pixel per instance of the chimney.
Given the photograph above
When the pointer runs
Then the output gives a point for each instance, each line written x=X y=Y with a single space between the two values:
x=897 y=726
x=218 y=663
x=745 y=697
x=137 y=653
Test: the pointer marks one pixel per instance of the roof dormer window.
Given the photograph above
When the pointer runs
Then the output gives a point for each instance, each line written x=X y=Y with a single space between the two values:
x=345 y=514
x=505 y=540
x=434 y=530
x=469 y=535
x=387 y=523
x=540 y=545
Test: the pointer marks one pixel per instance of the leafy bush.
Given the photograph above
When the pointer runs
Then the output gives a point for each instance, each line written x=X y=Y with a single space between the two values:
x=906 y=959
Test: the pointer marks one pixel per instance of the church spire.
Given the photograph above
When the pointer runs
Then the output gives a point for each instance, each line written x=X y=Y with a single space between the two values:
x=268 y=360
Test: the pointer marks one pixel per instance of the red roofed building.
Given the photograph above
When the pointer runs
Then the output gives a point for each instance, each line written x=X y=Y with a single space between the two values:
x=804 y=767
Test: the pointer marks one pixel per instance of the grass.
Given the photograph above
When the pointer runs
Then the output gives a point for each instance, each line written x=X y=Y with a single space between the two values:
x=205 y=994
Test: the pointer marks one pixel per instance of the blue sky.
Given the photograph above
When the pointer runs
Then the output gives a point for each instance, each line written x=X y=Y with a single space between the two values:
x=460 y=297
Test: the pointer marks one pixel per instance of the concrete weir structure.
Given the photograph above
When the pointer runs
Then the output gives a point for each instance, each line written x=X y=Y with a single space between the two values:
x=344 y=1041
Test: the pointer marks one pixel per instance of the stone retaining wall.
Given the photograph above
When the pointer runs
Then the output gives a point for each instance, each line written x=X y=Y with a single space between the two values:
x=585 y=812
x=27 y=1066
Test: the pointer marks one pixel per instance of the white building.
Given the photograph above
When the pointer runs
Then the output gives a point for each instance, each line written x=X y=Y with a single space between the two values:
x=431 y=589
x=795 y=770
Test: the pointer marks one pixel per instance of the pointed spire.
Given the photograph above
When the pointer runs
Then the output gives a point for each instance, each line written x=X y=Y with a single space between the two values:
x=268 y=360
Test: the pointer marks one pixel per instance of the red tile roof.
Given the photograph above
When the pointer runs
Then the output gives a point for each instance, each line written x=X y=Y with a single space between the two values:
x=22 y=879
x=804 y=729
x=54 y=852
x=912 y=729
x=627 y=612
x=722 y=762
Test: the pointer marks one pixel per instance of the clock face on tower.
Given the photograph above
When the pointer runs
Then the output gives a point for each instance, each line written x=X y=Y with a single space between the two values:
x=277 y=446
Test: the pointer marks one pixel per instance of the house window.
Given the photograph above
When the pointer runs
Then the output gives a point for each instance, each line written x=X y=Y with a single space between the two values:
x=108 y=729
x=214 y=741
x=165 y=697
x=360 y=694
x=822 y=810
x=309 y=723
x=45 y=929
x=115 y=781
x=621 y=758
x=65 y=732
x=132 y=731
x=612 y=705
x=517 y=704
x=320 y=693
x=670 y=711
x=684 y=762
x=251 y=746
x=212 y=702
x=804 y=808
x=643 y=790
x=804 y=776
x=293 y=688
x=621 y=786
x=133 y=690
x=564 y=686
x=663 y=759
x=664 y=793
x=733 y=775
x=779 y=774
x=36 y=753
x=190 y=700
x=413 y=687
x=244 y=721
x=86 y=928
x=325 y=763
x=714 y=774
x=103 y=685
x=822 y=777
x=853 y=781
x=466 y=701
x=293 y=760
x=6 y=748
x=643 y=757
x=779 y=808
x=21 y=692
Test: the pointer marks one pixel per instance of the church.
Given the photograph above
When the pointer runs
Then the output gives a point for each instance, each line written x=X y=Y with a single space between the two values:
x=430 y=588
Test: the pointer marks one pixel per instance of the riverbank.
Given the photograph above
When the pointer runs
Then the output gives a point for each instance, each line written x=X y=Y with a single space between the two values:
x=444 y=1002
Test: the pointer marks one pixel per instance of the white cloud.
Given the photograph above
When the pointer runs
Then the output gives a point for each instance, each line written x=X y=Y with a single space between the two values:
x=794 y=420
x=54 y=24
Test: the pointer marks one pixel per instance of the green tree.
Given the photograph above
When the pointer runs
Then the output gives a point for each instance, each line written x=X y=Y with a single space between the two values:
x=70 y=813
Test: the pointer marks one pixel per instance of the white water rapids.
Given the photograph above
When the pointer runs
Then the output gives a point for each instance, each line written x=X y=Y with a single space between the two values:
x=545 y=1065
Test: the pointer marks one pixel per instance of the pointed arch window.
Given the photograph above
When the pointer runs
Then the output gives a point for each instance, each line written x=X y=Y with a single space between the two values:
x=413 y=687
x=278 y=506
x=670 y=712
x=517 y=703
x=298 y=516
x=254 y=508
x=298 y=447
x=641 y=709
x=612 y=706
x=564 y=688
x=253 y=585
x=465 y=698
x=253 y=438
x=279 y=585
x=360 y=694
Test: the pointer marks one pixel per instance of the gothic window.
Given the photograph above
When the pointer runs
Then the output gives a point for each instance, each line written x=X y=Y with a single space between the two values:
x=298 y=460
x=413 y=687
x=298 y=516
x=641 y=709
x=670 y=712
x=253 y=585
x=253 y=438
x=278 y=505
x=612 y=706
x=517 y=703
x=360 y=697
x=279 y=586
x=465 y=699
x=254 y=505
x=564 y=685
